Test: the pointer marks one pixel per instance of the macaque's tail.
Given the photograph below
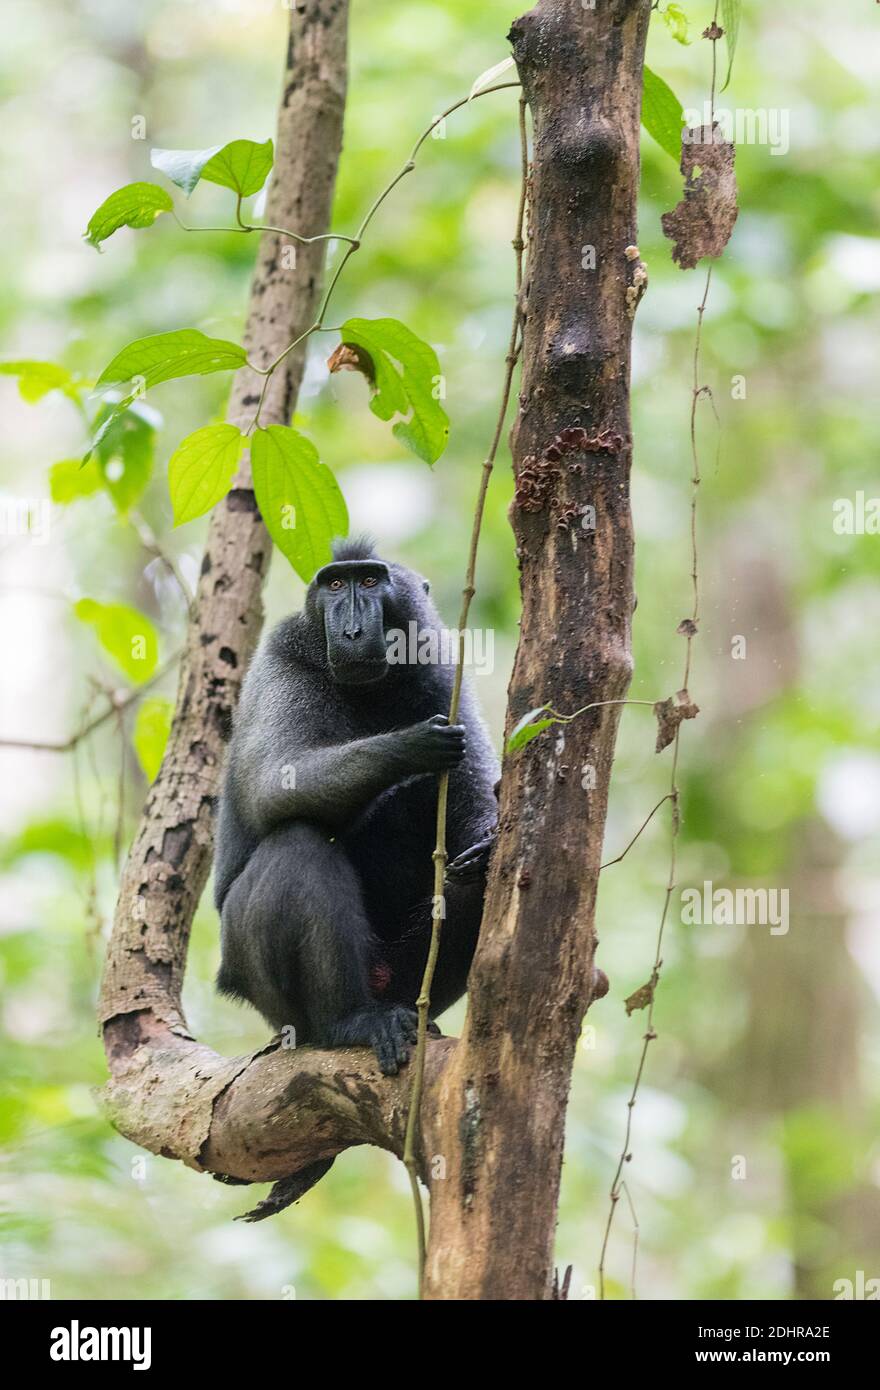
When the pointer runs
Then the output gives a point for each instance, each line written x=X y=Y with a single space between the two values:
x=288 y=1190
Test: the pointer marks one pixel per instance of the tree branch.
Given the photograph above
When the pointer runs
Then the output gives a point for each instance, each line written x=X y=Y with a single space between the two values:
x=263 y=1116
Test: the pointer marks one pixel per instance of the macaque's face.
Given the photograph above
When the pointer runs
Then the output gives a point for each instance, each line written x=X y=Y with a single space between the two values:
x=351 y=596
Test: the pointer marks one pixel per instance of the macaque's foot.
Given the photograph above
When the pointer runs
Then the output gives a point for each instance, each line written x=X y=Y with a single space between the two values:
x=472 y=863
x=389 y=1030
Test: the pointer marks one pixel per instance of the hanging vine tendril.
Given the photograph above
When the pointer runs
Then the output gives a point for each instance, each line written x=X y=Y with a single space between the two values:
x=423 y=1002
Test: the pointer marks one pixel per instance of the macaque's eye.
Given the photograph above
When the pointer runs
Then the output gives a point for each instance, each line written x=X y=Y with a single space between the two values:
x=369 y=582
x=336 y=584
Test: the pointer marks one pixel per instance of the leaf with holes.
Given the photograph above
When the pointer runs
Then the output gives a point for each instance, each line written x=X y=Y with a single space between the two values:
x=201 y=469
x=298 y=496
x=135 y=205
x=702 y=223
x=404 y=373
x=125 y=634
x=662 y=114
x=242 y=165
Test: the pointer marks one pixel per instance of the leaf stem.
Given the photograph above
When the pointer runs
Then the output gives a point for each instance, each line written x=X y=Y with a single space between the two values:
x=353 y=242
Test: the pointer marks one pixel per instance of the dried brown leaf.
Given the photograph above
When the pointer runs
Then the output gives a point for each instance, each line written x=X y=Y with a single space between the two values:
x=348 y=357
x=702 y=222
x=670 y=714
x=641 y=997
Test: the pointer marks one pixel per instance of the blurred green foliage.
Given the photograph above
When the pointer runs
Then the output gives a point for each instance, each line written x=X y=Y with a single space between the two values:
x=755 y=1156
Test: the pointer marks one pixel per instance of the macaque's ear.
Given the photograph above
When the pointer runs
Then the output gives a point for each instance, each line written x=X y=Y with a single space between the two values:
x=426 y=586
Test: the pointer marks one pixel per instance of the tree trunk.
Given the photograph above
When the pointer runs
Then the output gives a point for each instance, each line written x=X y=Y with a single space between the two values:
x=494 y=1103
x=499 y=1124
x=165 y=1088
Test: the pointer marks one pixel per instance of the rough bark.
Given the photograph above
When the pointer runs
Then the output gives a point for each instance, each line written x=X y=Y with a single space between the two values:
x=259 y=1117
x=500 y=1113
x=494 y=1104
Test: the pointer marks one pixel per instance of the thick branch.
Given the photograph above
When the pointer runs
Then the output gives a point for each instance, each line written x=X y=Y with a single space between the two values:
x=258 y=1117
x=502 y=1098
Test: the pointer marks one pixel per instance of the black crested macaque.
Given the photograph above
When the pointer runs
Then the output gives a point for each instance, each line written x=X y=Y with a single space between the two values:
x=323 y=869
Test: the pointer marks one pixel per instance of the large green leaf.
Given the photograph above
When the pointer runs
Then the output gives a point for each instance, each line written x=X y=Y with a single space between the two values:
x=183 y=167
x=135 y=205
x=125 y=634
x=201 y=469
x=150 y=735
x=166 y=356
x=731 y=11
x=241 y=165
x=36 y=379
x=298 y=497
x=404 y=372
x=662 y=115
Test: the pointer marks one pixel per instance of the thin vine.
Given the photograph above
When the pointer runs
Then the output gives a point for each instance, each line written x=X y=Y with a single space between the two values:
x=688 y=629
x=440 y=856
x=353 y=243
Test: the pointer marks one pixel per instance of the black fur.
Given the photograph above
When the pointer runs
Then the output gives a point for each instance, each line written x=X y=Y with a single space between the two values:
x=324 y=887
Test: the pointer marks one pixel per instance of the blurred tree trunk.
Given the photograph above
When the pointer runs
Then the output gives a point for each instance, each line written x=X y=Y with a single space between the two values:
x=500 y=1121
x=798 y=1064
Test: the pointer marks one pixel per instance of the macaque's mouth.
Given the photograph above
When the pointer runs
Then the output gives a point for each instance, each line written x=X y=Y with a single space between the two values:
x=359 y=672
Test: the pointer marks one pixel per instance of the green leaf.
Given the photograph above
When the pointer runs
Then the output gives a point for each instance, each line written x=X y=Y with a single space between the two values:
x=125 y=634
x=125 y=451
x=37 y=379
x=241 y=165
x=298 y=496
x=404 y=389
x=676 y=22
x=117 y=408
x=201 y=470
x=68 y=480
x=526 y=729
x=51 y=836
x=166 y=356
x=150 y=735
x=662 y=115
x=731 y=11
x=183 y=167
x=135 y=205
